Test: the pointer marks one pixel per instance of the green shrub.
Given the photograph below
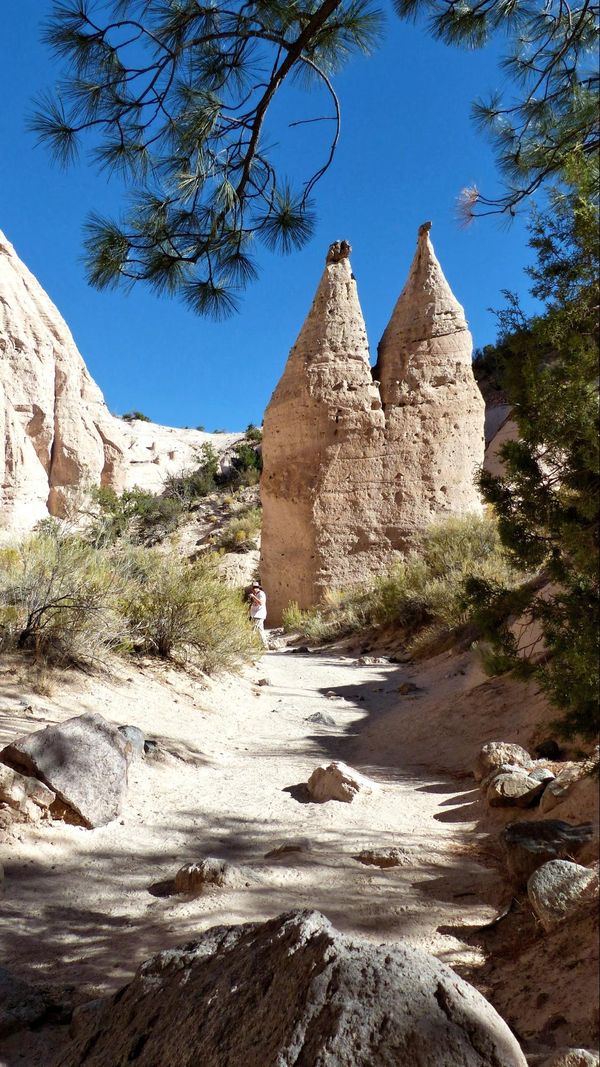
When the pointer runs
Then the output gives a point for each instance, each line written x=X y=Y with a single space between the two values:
x=241 y=532
x=142 y=517
x=174 y=608
x=253 y=433
x=196 y=483
x=425 y=591
x=135 y=416
x=59 y=599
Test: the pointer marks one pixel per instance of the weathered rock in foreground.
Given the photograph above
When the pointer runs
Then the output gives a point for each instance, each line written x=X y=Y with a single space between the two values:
x=83 y=760
x=559 y=888
x=26 y=796
x=337 y=781
x=290 y=992
x=529 y=844
x=572 y=1057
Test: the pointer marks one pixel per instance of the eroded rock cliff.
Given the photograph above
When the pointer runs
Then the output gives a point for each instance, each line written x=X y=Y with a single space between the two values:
x=58 y=433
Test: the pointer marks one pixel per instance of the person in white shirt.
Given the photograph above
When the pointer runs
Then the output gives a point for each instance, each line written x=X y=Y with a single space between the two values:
x=258 y=611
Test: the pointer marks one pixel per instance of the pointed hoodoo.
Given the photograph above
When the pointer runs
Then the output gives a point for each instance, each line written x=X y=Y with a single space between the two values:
x=433 y=408
x=319 y=518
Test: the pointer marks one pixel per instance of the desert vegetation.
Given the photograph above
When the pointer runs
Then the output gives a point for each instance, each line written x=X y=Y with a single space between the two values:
x=68 y=602
x=422 y=596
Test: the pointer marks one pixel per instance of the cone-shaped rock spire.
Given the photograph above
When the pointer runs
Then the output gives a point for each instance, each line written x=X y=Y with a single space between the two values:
x=433 y=408
x=323 y=420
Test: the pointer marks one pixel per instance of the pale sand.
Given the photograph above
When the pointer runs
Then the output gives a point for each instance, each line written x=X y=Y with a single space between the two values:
x=78 y=909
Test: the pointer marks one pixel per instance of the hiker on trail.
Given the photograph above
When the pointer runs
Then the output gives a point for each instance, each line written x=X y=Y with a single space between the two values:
x=258 y=611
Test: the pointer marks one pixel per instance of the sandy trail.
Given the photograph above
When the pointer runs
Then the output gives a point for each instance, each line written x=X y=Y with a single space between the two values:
x=80 y=908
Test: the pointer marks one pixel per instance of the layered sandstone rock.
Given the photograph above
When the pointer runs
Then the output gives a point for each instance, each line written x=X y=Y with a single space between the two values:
x=433 y=408
x=322 y=426
x=58 y=434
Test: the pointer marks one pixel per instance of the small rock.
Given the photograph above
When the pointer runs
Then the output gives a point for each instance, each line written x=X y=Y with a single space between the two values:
x=297 y=844
x=369 y=661
x=25 y=795
x=383 y=857
x=337 y=781
x=559 y=888
x=300 y=651
x=151 y=749
x=530 y=844
x=263 y=681
x=495 y=753
x=514 y=789
x=136 y=738
x=409 y=687
x=192 y=877
x=322 y=718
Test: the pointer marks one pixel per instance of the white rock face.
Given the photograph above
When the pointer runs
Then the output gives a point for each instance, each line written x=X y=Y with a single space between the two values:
x=58 y=433
x=337 y=781
x=59 y=438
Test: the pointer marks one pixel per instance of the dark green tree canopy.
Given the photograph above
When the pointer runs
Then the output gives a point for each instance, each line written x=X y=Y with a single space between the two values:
x=551 y=107
x=175 y=96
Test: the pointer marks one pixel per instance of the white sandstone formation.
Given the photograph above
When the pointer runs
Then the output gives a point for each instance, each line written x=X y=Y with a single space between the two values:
x=58 y=432
x=322 y=426
x=434 y=411
x=59 y=438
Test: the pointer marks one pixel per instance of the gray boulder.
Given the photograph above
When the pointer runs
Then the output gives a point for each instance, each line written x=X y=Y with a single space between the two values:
x=83 y=760
x=515 y=789
x=530 y=844
x=560 y=888
x=293 y=991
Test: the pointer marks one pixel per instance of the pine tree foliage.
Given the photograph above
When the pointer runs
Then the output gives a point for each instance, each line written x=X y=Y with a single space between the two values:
x=551 y=108
x=547 y=499
x=175 y=96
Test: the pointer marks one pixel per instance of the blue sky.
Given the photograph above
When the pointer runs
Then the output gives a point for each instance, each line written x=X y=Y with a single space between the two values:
x=408 y=146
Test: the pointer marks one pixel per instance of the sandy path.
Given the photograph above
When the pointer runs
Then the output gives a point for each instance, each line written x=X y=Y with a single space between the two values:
x=78 y=907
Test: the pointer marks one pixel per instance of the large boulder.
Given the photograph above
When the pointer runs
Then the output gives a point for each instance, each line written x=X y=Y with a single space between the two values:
x=83 y=760
x=337 y=781
x=565 y=784
x=560 y=888
x=531 y=843
x=292 y=991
